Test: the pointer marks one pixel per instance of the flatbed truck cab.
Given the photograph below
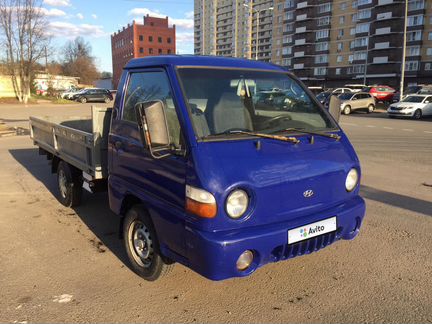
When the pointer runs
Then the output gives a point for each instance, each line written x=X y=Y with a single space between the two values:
x=225 y=165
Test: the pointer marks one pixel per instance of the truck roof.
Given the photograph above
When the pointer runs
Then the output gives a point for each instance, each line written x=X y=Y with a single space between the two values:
x=197 y=60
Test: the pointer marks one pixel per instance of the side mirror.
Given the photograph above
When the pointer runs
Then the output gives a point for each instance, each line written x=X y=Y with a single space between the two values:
x=153 y=126
x=334 y=107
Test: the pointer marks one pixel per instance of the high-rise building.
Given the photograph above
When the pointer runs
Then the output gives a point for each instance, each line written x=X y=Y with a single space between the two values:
x=327 y=42
x=354 y=41
x=153 y=37
x=229 y=28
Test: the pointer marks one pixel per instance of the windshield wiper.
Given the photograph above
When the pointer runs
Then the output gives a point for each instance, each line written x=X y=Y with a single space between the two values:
x=301 y=130
x=290 y=139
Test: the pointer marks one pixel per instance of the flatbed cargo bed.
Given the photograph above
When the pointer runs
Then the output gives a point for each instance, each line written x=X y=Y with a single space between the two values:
x=82 y=142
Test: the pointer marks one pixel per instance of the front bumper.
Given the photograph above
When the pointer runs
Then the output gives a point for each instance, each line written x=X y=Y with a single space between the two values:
x=400 y=113
x=214 y=254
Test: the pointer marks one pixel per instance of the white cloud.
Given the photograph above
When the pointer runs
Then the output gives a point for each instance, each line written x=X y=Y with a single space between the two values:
x=53 y=12
x=80 y=16
x=94 y=16
x=179 y=22
x=57 y=3
x=182 y=23
x=184 y=37
x=184 y=42
x=70 y=31
x=189 y=14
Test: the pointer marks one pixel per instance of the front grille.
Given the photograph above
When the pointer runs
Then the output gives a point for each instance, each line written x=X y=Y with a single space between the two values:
x=289 y=251
x=396 y=108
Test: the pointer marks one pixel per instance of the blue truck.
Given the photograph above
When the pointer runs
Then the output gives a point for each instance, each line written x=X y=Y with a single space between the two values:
x=220 y=164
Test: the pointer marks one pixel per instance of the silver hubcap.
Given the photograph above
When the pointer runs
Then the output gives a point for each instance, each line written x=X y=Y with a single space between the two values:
x=140 y=243
x=371 y=108
x=347 y=111
x=62 y=181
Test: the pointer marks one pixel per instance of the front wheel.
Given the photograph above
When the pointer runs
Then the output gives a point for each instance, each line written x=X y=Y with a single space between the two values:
x=370 y=109
x=347 y=110
x=107 y=100
x=69 y=184
x=142 y=245
x=417 y=114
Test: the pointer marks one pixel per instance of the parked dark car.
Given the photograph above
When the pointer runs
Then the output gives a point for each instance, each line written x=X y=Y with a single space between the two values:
x=417 y=89
x=101 y=95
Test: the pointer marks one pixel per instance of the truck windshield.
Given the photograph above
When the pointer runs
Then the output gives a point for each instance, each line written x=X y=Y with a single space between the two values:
x=223 y=101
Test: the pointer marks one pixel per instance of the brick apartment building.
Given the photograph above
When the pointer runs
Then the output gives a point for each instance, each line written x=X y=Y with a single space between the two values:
x=325 y=42
x=154 y=37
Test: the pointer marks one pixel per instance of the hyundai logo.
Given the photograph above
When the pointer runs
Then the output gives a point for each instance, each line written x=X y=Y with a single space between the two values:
x=308 y=193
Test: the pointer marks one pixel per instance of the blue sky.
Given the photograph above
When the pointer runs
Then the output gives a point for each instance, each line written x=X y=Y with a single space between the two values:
x=96 y=20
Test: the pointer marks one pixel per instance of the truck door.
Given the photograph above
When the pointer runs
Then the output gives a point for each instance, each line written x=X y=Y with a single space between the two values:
x=159 y=183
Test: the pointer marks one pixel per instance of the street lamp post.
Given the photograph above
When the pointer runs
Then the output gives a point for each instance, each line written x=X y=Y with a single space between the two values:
x=258 y=12
x=401 y=90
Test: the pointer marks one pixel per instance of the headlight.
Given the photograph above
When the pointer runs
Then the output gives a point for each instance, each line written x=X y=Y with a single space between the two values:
x=237 y=203
x=351 y=180
x=407 y=108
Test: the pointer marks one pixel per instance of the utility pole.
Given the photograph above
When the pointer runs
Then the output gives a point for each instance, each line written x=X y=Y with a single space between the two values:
x=404 y=50
x=257 y=34
x=367 y=55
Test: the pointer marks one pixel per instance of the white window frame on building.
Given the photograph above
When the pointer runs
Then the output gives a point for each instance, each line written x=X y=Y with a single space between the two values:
x=323 y=21
x=320 y=71
x=323 y=33
x=321 y=59
x=412 y=66
x=416 y=38
x=324 y=7
x=362 y=28
x=416 y=20
x=415 y=5
x=322 y=46
x=413 y=50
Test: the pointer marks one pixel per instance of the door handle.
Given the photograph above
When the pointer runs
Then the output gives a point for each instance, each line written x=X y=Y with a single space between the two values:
x=118 y=145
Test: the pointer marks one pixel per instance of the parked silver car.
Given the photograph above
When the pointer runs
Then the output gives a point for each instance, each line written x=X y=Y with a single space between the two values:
x=414 y=106
x=356 y=101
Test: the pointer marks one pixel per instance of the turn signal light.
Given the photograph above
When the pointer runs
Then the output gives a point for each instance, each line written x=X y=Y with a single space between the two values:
x=200 y=202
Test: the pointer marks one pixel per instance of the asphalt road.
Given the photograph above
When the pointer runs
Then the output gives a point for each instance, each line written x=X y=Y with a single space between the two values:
x=64 y=265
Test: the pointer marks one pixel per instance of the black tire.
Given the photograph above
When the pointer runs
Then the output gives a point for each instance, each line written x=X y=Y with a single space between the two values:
x=107 y=100
x=69 y=183
x=417 y=114
x=143 y=252
x=83 y=100
x=347 y=110
x=370 y=109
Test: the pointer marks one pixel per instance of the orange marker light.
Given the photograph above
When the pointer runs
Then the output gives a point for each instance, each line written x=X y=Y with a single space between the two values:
x=200 y=202
x=201 y=209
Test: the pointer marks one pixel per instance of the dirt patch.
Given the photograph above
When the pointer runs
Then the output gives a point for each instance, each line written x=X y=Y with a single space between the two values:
x=6 y=130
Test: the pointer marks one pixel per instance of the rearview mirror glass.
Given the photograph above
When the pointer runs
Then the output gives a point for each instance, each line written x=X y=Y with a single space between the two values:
x=154 y=128
x=334 y=107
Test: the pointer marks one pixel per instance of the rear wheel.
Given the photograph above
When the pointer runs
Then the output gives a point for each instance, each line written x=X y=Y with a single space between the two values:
x=370 y=109
x=107 y=100
x=417 y=114
x=69 y=184
x=347 y=110
x=83 y=100
x=142 y=245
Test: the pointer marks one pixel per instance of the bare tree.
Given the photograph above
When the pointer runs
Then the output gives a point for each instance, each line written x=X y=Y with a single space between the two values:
x=79 y=62
x=23 y=24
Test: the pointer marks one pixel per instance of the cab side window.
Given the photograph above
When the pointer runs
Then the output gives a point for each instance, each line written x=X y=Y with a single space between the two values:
x=149 y=86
